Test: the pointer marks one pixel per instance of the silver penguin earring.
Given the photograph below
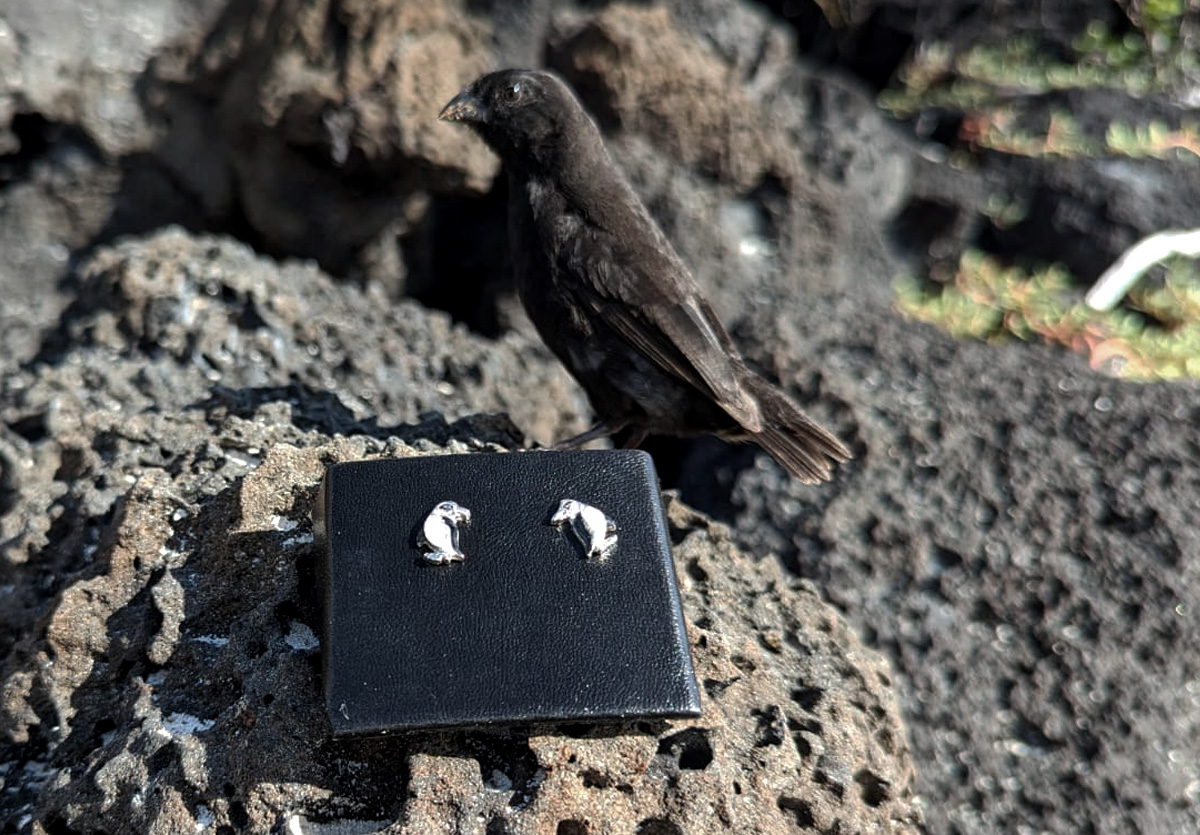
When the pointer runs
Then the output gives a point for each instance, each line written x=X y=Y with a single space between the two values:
x=440 y=534
x=595 y=531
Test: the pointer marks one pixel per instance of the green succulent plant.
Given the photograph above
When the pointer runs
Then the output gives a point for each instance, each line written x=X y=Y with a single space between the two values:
x=1155 y=336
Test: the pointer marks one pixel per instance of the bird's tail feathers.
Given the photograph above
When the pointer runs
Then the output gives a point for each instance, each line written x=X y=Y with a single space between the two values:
x=802 y=446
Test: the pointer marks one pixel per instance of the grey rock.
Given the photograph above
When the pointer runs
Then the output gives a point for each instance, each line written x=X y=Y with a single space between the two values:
x=174 y=322
x=158 y=570
x=174 y=694
x=1014 y=535
x=77 y=63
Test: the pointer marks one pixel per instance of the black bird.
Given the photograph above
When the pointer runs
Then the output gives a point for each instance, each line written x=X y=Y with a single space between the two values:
x=608 y=293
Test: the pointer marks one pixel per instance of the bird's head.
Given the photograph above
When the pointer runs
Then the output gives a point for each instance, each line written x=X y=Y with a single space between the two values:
x=523 y=115
x=454 y=512
x=568 y=509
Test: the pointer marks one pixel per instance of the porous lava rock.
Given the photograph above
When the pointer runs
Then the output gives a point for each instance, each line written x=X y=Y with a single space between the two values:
x=162 y=609
x=1014 y=533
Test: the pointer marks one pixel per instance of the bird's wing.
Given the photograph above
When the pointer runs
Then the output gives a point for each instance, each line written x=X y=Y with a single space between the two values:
x=640 y=288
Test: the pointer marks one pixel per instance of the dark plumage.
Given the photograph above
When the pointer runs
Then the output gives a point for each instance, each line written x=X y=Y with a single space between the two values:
x=609 y=295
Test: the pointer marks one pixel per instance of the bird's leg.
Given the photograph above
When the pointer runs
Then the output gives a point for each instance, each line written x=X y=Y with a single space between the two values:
x=601 y=430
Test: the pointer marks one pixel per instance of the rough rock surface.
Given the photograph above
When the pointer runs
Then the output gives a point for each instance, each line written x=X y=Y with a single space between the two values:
x=739 y=138
x=169 y=680
x=282 y=99
x=84 y=73
x=1016 y=533
x=74 y=143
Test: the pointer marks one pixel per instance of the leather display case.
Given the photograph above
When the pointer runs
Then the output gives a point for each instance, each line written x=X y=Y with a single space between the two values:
x=517 y=614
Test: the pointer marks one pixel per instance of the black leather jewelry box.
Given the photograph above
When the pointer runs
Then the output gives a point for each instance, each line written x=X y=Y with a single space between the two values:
x=526 y=626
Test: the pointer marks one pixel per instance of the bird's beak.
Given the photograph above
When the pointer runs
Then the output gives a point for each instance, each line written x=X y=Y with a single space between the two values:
x=465 y=107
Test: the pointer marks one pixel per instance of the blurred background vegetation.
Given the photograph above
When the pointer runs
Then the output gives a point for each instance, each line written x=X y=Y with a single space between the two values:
x=1017 y=98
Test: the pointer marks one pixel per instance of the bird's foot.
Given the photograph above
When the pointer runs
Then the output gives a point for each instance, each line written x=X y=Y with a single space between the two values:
x=603 y=429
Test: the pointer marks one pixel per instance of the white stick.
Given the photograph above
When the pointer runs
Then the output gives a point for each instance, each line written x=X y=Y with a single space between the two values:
x=1143 y=255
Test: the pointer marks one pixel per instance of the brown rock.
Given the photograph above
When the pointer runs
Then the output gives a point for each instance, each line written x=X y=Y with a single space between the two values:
x=318 y=118
x=183 y=689
x=639 y=70
x=69 y=643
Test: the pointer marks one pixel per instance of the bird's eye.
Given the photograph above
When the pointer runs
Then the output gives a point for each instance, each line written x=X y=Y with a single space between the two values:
x=512 y=92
